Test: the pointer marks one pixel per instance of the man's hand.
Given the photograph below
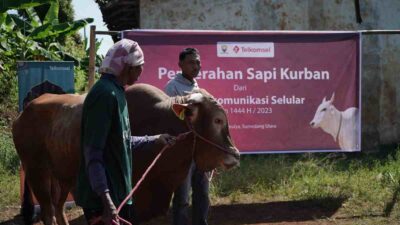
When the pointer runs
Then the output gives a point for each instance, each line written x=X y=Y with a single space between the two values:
x=109 y=210
x=166 y=139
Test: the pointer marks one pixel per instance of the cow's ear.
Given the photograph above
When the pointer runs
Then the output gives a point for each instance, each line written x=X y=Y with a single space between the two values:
x=332 y=98
x=324 y=100
x=179 y=110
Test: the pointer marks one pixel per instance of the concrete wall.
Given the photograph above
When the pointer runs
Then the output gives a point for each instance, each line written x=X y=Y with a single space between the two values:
x=380 y=69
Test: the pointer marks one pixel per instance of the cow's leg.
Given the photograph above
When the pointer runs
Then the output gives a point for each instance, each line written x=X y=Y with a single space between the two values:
x=61 y=190
x=41 y=186
x=27 y=208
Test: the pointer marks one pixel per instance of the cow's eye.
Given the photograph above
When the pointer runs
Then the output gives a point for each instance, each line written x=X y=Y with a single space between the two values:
x=218 y=121
x=323 y=110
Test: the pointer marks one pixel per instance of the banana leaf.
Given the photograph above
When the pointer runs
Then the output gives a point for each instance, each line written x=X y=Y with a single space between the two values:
x=2 y=17
x=6 y=22
x=69 y=57
x=52 y=13
x=21 y=4
x=49 y=30
x=21 y=23
x=34 y=18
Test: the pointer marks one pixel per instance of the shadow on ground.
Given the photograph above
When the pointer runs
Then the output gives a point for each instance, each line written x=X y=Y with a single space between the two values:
x=253 y=213
x=272 y=212
x=290 y=212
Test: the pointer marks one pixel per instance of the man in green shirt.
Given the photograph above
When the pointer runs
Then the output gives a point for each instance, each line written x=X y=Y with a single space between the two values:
x=104 y=178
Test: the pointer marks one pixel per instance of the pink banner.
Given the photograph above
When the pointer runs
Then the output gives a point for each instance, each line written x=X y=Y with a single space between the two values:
x=282 y=91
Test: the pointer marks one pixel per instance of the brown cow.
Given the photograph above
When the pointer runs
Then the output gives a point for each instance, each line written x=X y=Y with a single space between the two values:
x=47 y=139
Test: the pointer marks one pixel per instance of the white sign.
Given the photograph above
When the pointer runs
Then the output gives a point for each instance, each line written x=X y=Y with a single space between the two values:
x=245 y=49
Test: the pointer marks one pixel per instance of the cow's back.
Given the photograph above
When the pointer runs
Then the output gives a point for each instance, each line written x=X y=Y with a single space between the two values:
x=139 y=92
x=150 y=111
x=349 y=133
x=47 y=134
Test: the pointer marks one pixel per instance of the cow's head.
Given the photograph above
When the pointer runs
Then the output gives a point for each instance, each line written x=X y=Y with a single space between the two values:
x=324 y=112
x=209 y=120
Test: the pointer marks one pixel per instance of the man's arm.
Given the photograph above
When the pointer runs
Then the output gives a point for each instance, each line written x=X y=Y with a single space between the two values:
x=140 y=141
x=95 y=169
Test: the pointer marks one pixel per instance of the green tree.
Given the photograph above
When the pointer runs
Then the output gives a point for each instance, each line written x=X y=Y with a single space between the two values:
x=34 y=36
x=65 y=14
x=31 y=38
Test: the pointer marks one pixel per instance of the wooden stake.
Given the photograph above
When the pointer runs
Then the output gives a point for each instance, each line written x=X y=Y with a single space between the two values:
x=92 y=56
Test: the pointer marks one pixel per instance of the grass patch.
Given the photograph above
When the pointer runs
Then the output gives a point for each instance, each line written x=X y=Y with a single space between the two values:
x=9 y=176
x=365 y=184
x=9 y=160
x=9 y=189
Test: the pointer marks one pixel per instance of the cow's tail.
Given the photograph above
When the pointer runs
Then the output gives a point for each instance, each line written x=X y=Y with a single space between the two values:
x=27 y=209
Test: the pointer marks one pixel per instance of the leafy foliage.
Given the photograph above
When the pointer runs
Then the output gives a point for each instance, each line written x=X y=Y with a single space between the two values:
x=65 y=14
x=21 y=4
x=9 y=160
x=29 y=37
x=37 y=38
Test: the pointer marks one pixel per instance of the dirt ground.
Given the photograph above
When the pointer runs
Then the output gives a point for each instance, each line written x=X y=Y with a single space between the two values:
x=267 y=213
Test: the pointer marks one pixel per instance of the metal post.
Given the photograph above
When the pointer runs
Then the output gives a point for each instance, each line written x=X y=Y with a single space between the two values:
x=92 y=56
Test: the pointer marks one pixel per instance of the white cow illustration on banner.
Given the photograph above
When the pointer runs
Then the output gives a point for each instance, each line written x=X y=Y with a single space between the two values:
x=342 y=125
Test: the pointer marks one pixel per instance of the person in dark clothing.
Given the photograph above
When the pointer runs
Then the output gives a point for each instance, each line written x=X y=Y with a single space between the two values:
x=105 y=172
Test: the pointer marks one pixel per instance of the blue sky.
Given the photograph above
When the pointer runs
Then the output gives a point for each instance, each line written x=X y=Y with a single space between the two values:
x=88 y=8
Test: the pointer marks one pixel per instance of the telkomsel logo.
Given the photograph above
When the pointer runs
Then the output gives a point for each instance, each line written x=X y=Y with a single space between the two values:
x=246 y=49
x=236 y=49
